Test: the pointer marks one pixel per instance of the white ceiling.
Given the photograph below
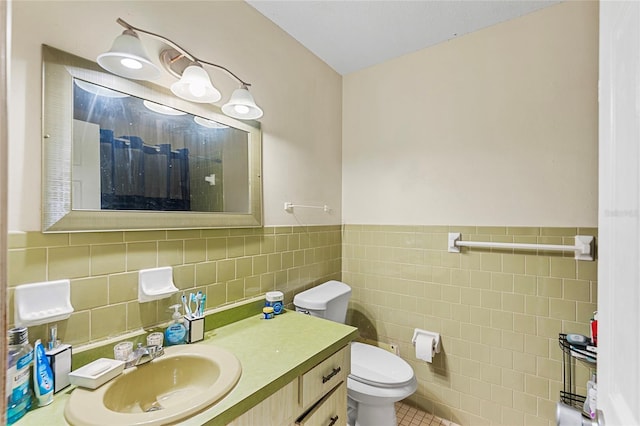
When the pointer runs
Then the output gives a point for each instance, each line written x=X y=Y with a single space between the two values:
x=350 y=35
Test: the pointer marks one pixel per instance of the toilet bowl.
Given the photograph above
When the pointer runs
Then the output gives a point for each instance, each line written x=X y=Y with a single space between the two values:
x=378 y=378
x=377 y=381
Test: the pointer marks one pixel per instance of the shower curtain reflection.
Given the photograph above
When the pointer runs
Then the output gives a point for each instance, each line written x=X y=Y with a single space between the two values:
x=132 y=154
x=135 y=176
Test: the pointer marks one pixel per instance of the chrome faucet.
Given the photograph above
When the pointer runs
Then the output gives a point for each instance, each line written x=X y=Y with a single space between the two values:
x=144 y=354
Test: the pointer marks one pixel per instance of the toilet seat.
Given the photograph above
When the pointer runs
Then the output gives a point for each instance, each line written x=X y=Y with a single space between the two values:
x=377 y=367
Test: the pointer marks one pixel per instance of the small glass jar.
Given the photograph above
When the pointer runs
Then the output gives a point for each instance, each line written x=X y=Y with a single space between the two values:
x=155 y=339
x=122 y=351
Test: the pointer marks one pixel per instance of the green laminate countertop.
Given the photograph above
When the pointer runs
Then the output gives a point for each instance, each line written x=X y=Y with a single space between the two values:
x=272 y=353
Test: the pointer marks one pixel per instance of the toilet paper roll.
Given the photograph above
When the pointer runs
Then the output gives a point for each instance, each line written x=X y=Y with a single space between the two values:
x=569 y=416
x=424 y=347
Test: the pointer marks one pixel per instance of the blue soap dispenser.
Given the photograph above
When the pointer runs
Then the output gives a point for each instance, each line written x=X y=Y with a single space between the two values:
x=176 y=332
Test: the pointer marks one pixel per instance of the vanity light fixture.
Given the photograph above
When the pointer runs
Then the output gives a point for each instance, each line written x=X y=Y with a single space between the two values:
x=241 y=105
x=195 y=85
x=127 y=58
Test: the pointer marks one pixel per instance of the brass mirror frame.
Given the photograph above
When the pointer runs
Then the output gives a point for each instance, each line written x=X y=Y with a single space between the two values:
x=58 y=71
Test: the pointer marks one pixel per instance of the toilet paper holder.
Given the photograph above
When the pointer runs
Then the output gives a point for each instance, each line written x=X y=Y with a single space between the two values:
x=433 y=335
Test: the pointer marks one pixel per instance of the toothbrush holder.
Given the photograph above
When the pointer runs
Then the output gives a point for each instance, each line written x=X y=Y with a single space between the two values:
x=60 y=362
x=195 y=329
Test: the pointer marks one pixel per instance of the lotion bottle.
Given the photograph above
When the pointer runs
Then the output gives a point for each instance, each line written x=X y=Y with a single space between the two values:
x=592 y=396
x=176 y=333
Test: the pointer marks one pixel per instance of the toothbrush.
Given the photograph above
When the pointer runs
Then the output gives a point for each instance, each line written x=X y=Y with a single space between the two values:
x=187 y=308
x=199 y=307
x=204 y=299
x=192 y=298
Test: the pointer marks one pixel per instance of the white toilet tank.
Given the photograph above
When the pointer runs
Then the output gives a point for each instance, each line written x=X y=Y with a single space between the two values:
x=328 y=300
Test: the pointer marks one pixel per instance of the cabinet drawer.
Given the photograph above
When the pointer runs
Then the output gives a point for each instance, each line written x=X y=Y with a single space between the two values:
x=329 y=411
x=324 y=376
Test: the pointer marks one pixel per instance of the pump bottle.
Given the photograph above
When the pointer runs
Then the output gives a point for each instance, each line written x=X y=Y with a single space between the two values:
x=176 y=333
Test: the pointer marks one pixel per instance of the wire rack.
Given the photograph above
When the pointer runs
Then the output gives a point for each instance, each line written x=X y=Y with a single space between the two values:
x=570 y=354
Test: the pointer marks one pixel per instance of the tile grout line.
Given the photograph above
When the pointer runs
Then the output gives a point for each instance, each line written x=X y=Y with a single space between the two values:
x=410 y=416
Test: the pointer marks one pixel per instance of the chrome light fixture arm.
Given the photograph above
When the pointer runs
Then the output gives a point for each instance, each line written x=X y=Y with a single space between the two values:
x=127 y=58
x=181 y=50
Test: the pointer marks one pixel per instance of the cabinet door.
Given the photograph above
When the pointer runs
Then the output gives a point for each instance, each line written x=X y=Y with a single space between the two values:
x=331 y=410
x=279 y=409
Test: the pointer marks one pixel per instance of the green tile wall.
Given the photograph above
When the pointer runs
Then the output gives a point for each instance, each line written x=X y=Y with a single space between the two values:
x=499 y=313
x=230 y=265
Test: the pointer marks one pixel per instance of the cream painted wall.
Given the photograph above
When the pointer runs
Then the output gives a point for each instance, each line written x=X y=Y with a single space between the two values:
x=300 y=94
x=498 y=127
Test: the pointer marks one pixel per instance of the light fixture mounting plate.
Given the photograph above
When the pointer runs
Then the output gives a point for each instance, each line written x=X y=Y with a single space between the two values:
x=174 y=62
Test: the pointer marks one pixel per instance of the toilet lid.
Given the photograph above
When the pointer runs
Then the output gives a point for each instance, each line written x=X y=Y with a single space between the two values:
x=377 y=367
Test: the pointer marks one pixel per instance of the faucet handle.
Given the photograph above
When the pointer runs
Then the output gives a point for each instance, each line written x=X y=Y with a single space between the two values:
x=155 y=351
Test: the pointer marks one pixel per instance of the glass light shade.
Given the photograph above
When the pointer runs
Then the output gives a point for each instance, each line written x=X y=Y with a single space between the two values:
x=242 y=106
x=195 y=86
x=162 y=109
x=127 y=58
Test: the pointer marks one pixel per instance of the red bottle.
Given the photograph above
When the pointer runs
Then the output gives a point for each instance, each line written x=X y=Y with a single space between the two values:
x=594 y=329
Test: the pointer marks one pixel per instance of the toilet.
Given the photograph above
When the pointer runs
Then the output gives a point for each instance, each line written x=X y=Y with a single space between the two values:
x=378 y=378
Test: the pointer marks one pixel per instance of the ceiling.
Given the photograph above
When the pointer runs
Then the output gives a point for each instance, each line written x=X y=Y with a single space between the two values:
x=350 y=35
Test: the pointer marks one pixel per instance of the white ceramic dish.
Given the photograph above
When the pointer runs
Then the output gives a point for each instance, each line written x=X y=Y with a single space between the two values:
x=96 y=373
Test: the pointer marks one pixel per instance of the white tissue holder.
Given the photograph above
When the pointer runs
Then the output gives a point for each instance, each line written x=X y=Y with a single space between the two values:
x=155 y=283
x=434 y=336
x=42 y=303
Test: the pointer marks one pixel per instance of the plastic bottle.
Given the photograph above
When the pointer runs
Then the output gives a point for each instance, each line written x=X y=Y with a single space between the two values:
x=592 y=396
x=590 y=402
x=42 y=376
x=594 y=329
x=176 y=333
x=274 y=299
x=19 y=374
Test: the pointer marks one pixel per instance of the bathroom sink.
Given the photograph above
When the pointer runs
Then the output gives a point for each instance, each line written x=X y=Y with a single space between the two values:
x=185 y=380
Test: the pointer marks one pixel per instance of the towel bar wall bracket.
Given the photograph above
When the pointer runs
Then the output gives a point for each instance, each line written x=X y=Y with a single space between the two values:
x=583 y=249
x=288 y=207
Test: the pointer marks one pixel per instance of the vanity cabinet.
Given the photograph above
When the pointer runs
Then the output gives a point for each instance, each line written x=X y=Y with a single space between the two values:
x=318 y=397
x=325 y=376
x=280 y=408
x=329 y=411
x=304 y=384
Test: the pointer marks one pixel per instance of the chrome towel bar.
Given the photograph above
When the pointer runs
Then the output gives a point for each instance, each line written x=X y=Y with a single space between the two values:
x=583 y=248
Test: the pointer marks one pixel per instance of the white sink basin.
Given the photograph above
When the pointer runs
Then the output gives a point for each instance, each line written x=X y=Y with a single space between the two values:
x=186 y=379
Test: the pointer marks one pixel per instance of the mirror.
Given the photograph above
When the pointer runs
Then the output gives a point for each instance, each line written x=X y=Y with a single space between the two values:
x=129 y=155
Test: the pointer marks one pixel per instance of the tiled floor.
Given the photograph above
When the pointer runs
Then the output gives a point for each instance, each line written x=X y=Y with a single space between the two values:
x=411 y=416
